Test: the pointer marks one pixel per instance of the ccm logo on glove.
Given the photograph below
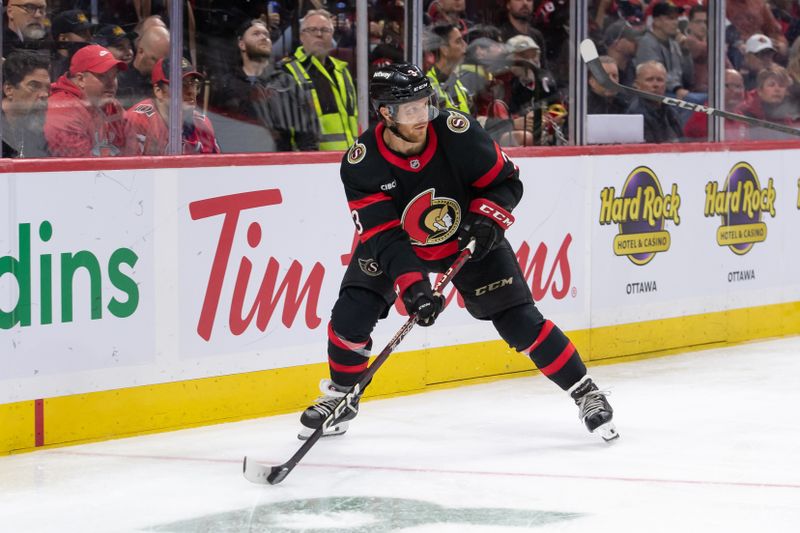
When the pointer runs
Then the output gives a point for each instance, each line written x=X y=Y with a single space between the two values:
x=493 y=211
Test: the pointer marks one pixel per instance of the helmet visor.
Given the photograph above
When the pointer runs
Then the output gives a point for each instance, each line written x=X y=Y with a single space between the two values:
x=416 y=111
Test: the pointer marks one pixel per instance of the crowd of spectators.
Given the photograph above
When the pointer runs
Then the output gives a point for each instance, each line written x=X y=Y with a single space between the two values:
x=279 y=75
x=662 y=47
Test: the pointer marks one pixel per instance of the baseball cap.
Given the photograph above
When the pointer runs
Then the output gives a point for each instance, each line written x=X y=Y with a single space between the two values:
x=94 y=58
x=161 y=70
x=620 y=29
x=758 y=42
x=520 y=43
x=70 y=21
x=665 y=8
x=111 y=35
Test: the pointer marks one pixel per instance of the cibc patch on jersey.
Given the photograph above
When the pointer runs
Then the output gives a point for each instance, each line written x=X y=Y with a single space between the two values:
x=356 y=153
x=429 y=219
x=456 y=122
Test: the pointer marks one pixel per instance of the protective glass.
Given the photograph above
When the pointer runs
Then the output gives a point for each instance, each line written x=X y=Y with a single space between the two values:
x=416 y=111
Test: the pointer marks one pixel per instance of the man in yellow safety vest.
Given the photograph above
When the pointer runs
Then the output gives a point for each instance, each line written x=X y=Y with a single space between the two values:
x=449 y=48
x=332 y=89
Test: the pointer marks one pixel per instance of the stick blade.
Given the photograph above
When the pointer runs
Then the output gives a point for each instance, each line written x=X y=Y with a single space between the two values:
x=588 y=50
x=262 y=474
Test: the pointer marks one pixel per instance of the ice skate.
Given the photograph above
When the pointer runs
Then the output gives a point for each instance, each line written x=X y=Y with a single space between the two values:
x=315 y=414
x=593 y=408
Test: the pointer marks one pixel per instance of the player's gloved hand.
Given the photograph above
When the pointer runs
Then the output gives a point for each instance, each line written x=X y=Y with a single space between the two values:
x=486 y=222
x=420 y=300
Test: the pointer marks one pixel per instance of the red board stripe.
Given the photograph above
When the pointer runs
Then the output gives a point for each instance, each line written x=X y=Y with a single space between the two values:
x=38 y=421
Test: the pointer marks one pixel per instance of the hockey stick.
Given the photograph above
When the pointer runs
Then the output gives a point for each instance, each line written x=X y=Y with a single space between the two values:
x=263 y=474
x=592 y=60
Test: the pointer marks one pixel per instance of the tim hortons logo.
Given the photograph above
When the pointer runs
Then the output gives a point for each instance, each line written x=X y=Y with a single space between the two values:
x=547 y=274
x=270 y=291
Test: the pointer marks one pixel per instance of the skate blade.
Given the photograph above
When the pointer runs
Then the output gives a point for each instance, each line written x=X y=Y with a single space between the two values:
x=607 y=431
x=332 y=431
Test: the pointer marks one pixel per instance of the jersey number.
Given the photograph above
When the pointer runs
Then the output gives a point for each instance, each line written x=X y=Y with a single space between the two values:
x=357 y=222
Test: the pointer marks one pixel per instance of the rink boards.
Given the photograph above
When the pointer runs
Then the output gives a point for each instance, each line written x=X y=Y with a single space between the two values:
x=137 y=298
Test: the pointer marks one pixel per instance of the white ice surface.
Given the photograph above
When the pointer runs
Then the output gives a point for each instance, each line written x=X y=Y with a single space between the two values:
x=710 y=442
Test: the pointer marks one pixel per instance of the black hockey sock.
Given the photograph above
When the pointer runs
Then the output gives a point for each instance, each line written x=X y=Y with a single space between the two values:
x=555 y=355
x=347 y=359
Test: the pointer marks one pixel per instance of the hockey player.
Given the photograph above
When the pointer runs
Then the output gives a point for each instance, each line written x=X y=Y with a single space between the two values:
x=420 y=185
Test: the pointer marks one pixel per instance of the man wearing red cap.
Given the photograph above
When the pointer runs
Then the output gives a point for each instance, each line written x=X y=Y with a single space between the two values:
x=84 y=119
x=148 y=119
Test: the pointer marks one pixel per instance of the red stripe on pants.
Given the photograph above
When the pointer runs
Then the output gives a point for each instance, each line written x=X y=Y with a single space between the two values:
x=346 y=369
x=560 y=361
x=546 y=329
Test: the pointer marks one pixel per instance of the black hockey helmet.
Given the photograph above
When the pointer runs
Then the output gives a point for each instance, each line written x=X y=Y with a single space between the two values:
x=397 y=84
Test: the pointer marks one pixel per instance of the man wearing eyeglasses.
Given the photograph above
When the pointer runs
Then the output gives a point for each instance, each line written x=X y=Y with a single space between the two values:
x=26 y=87
x=25 y=27
x=148 y=118
x=332 y=89
x=84 y=118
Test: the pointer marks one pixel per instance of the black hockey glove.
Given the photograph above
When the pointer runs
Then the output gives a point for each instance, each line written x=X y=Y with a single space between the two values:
x=486 y=222
x=420 y=300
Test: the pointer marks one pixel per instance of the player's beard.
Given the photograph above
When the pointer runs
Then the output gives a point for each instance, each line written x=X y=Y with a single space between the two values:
x=408 y=132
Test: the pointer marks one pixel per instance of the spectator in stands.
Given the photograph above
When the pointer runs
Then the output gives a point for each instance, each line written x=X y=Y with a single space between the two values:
x=759 y=54
x=751 y=17
x=484 y=59
x=621 y=40
x=388 y=48
x=118 y=41
x=696 y=128
x=519 y=21
x=449 y=50
x=135 y=84
x=551 y=17
x=84 y=118
x=144 y=25
x=25 y=25
x=269 y=111
x=26 y=87
x=660 y=44
x=148 y=119
x=70 y=31
x=768 y=102
x=332 y=88
x=695 y=46
x=661 y=124
x=448 y=12
x=793 y=70
x=602 y=101
x=603 y=13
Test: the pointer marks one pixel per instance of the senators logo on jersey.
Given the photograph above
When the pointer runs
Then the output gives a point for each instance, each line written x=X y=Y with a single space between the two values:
x=370 y=267
x=430 y=220
x=356 y=153
x=456 y=122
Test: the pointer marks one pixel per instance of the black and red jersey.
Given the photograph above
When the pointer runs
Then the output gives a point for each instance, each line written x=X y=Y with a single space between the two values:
x=408 y=209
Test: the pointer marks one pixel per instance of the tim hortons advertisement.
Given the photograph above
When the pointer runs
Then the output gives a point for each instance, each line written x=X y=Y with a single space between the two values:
x=261 y=259
x=674 y=236
x=125 y=278
x=75 y=277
